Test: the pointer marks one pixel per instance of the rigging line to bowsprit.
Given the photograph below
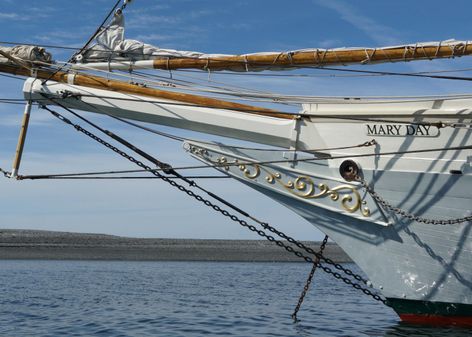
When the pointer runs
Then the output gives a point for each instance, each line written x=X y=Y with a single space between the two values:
x=182 y=139
x=365 y=144
x=393 y=73
x=164 y=166
x=270 y=99
x=322 y=75
x=258 y=95
x=217 y=87
x=51 y=177
x=243 y=223
x=255 y=162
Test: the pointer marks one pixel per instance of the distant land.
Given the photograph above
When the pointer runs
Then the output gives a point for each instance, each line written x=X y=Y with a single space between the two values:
x=49 y=245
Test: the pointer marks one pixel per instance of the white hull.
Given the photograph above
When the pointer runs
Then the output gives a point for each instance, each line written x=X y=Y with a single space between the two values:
x=403 y=259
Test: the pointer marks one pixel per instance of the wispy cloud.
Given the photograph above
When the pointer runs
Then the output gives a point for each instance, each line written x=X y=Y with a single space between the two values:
x=147 y=9
x=383 y=35
x=31 y=13
x=69 y=38
x=15 y=120
x=174 y=36
x=330 y=43
x=12 y=16
x=145 y=20
x=378 y=32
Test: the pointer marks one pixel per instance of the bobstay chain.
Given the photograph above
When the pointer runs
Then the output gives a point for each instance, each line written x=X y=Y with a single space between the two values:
x=310 y=255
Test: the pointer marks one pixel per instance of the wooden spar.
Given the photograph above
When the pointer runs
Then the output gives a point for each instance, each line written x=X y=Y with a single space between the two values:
x=317 y=57
x=21 y=140
x=119 y=86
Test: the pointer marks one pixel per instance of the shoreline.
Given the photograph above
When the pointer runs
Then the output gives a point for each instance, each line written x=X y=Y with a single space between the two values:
x=49 y=245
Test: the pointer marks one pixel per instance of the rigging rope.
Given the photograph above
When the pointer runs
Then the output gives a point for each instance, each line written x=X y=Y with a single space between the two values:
x=89 y=40
x=392 y=73
x=256 y=162
x=63 y=177
x=183 y=139
x=262 y=95
x=243 y=223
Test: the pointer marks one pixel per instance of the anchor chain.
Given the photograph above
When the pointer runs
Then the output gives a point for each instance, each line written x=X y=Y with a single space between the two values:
x=243 y=223
x=405 y=214
x=310 y=251
x=308 y=281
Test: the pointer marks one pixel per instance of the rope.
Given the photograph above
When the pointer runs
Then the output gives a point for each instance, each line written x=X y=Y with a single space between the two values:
x=65 y=177
x=255 y=162
x=183 y=139
x=98 y=29
x=392 y=73
x=241 y=92
x=89 y=40
x=348 y=279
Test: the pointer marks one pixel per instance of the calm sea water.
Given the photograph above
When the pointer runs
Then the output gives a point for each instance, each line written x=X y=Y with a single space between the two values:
x=84 y=298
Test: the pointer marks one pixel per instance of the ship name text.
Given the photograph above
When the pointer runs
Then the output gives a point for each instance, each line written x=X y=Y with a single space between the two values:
x=402 y=130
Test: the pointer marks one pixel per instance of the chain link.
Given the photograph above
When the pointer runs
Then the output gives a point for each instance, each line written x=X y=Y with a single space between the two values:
x=252 y=228
x=309 y=280
x=405 y=214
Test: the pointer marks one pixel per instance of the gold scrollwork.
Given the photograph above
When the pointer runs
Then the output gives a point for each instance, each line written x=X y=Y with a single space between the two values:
x=250 y=174
x=222 y=161
x=304 y=186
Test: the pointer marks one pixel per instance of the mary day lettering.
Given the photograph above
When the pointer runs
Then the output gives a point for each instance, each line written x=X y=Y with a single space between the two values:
x=402 y=130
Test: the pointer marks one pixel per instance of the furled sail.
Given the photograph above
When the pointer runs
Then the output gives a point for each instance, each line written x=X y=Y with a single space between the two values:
x=112 y=50
x=9 y=55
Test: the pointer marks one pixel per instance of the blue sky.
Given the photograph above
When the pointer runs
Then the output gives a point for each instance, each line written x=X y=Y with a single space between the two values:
x=151 y=208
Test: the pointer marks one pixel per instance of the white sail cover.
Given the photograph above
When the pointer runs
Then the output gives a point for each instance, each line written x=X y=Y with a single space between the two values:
x=24 y=53
x=112 y=45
